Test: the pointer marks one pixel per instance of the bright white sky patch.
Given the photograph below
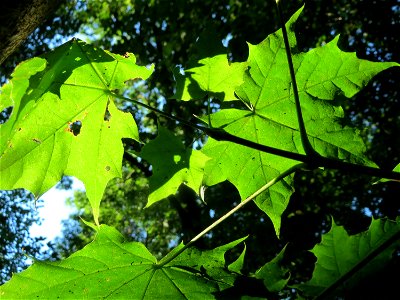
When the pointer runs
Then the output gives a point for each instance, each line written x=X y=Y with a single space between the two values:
x=53 y=210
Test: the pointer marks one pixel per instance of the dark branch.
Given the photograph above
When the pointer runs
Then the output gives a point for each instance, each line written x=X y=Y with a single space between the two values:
x=311 y=161
x=308 y=149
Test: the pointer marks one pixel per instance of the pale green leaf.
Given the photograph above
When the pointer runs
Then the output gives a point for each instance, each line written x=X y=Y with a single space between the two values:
x=16 y=88
x=338 y=253
x=111 y=268
x=172 y=164
x=39 y=143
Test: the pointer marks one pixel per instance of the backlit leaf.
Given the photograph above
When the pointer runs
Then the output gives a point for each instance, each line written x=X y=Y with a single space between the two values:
x=111 y=268
x=67 y=122
x=338 y=253
x=269 y=116
x=274 y=274
x=209 y=72
x=172 y=164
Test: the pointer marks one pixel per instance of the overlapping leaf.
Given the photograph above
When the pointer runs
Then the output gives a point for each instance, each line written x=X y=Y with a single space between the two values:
x=269 y=118
x=64 y=120
x=173 y=165
x=111 y=268
x=338 y=253
x=209 y=72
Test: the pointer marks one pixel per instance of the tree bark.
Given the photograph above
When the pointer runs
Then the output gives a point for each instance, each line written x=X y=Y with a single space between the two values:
x=18 y=19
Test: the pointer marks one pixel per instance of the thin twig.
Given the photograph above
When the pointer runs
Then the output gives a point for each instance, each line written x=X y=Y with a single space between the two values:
x=232 y=211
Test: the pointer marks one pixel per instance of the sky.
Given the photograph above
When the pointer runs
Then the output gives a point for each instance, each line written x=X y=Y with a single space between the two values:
x=53 y=210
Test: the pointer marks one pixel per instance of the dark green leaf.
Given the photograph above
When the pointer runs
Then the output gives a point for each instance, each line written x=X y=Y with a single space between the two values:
x=338 y=253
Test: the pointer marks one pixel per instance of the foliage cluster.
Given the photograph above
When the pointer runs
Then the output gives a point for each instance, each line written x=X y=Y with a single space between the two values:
x=65 y=120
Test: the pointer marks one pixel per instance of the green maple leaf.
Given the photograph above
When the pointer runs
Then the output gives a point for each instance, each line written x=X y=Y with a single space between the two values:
x=269 y=117
x=209 y=72
x=339 y=252
x=111 y=268
x=64 y=120
x=173 y=165
x=274 y=274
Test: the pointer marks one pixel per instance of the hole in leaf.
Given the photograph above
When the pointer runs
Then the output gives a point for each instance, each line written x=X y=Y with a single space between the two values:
x=108 y=168
x=75 y=127
x=177 y=158
x=107 y=115
x=5 y=114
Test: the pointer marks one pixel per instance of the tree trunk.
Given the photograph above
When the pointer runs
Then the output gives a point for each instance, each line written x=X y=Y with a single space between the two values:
x=18 y=19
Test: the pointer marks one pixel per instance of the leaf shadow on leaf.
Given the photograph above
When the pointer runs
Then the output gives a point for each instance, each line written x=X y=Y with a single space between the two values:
x=207 y=47
x=171 y=158
x=193 y=88
x=174 y=157
x=55 y=74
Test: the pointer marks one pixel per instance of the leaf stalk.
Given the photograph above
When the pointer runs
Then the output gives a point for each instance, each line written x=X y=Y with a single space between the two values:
x=309 y=150
x=235 y=209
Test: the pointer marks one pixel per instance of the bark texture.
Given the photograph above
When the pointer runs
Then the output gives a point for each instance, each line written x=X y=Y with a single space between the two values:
x=18 y=18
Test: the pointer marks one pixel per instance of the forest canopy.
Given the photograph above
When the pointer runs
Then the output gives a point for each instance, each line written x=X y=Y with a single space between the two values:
x=175 y=88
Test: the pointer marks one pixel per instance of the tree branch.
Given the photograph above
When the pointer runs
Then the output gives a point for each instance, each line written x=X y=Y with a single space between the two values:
x=308 y=149
x=220 y=134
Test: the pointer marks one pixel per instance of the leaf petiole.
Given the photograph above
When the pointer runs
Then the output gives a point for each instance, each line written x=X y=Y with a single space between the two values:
x=308 y=149
x=232 y=211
